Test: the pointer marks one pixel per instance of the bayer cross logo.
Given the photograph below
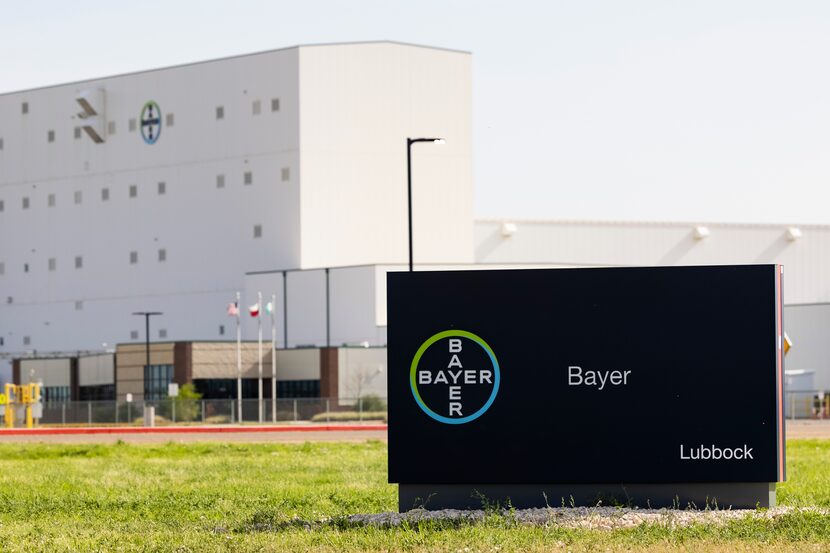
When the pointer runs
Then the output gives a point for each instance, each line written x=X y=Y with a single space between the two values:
x=150 y=122
x=454 y=376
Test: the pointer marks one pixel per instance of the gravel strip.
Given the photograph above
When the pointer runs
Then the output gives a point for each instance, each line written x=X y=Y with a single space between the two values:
x=593 y=518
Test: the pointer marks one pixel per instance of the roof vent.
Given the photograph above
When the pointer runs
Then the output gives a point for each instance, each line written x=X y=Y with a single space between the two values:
x=793 y=234
x=701 y=232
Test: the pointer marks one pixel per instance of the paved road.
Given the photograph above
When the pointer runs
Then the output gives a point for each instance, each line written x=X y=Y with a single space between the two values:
x=808 y=429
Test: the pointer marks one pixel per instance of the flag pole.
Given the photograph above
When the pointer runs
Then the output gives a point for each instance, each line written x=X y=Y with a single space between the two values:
x=273 y=359
x=238 y=361
x=259 y=325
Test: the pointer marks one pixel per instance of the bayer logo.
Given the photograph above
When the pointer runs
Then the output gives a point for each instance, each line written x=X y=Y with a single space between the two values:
x=454 y=376
x=150 y=122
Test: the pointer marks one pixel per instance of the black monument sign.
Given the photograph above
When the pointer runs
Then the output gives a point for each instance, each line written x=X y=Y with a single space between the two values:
x=651 y=381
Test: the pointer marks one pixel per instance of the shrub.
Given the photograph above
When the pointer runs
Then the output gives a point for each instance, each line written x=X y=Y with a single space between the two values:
x=160 y=421
x=372 y=402
x=348 y=416
x=187 y=406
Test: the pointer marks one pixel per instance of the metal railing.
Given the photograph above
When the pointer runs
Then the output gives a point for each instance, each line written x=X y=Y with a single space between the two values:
x=215 y=411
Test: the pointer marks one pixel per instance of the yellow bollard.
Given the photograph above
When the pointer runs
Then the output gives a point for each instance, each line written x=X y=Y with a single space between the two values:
x=10 y=405
x=25 y=395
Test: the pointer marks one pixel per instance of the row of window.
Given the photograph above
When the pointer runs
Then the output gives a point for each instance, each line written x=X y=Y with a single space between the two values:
x=134 y=334
x=55 y=394
x=225 y=388
x=169 y=119
x=161 y=189
x=52 y=262
x=100 y=392
x=156 y=379
x=256 y=108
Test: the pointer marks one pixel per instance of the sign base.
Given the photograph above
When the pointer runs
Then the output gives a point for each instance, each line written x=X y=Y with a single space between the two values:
x=723 y=495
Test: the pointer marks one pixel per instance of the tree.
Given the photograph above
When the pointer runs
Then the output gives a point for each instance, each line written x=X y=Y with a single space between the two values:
x=187 y=406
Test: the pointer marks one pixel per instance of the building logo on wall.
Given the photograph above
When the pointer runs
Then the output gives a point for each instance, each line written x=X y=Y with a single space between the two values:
x=150 y=122
x=454 y=376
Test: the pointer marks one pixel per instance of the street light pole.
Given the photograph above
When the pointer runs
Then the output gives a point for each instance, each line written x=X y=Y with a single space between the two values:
x=409 y=143
x=147 y=315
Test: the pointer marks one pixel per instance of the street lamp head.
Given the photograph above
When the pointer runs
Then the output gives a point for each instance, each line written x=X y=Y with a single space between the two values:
x=411 y=141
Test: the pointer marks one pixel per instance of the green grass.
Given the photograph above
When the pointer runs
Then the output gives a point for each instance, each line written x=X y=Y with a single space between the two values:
x=248 y=497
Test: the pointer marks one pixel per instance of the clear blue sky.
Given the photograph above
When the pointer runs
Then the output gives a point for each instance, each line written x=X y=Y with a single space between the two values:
x=595 y=109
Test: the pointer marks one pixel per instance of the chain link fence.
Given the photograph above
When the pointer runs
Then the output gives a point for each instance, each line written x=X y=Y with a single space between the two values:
x=216 y=411
x=811 y=404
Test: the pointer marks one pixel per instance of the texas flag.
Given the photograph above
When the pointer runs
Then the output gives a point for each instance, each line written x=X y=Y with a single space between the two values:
x=254 y=310
x=233 y=309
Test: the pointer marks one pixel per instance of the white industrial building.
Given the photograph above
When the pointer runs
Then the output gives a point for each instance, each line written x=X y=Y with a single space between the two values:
x=284 y=172
x=159 y=190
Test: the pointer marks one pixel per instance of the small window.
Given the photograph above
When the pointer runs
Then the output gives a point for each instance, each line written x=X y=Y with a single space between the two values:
x=162 y=255
x=220 y=181
x=275 y=104
x=25 y=267
x=220 y=112
x=169 y=119
x=133 y=191
x=1 y=143
x=221 y=330
x=79 y=305
x=133 y=258
x=77 y=133
x=248 y=177
x=133 y=335
x=285 y=174
x=111 y=127
x=51 y=200
x=25 y=202
x=52 y=264
x=256 y=107
x=105 y=194
x=50 y=136
x=162 y=188
x=257 y=231
x=78 y=196
x=79 y=262
x=24 y=107
x=2 y=268
x=2 y=205
x=2 y=342
x=27 y=340
x=131 y=125
x=162 y=333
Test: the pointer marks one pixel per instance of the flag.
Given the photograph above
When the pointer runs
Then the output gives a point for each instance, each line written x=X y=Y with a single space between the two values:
x=233 y=309
x=254 y=310
x=269 y=308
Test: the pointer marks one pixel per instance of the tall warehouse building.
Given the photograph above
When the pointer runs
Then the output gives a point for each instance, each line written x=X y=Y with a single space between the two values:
x=160 y=190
